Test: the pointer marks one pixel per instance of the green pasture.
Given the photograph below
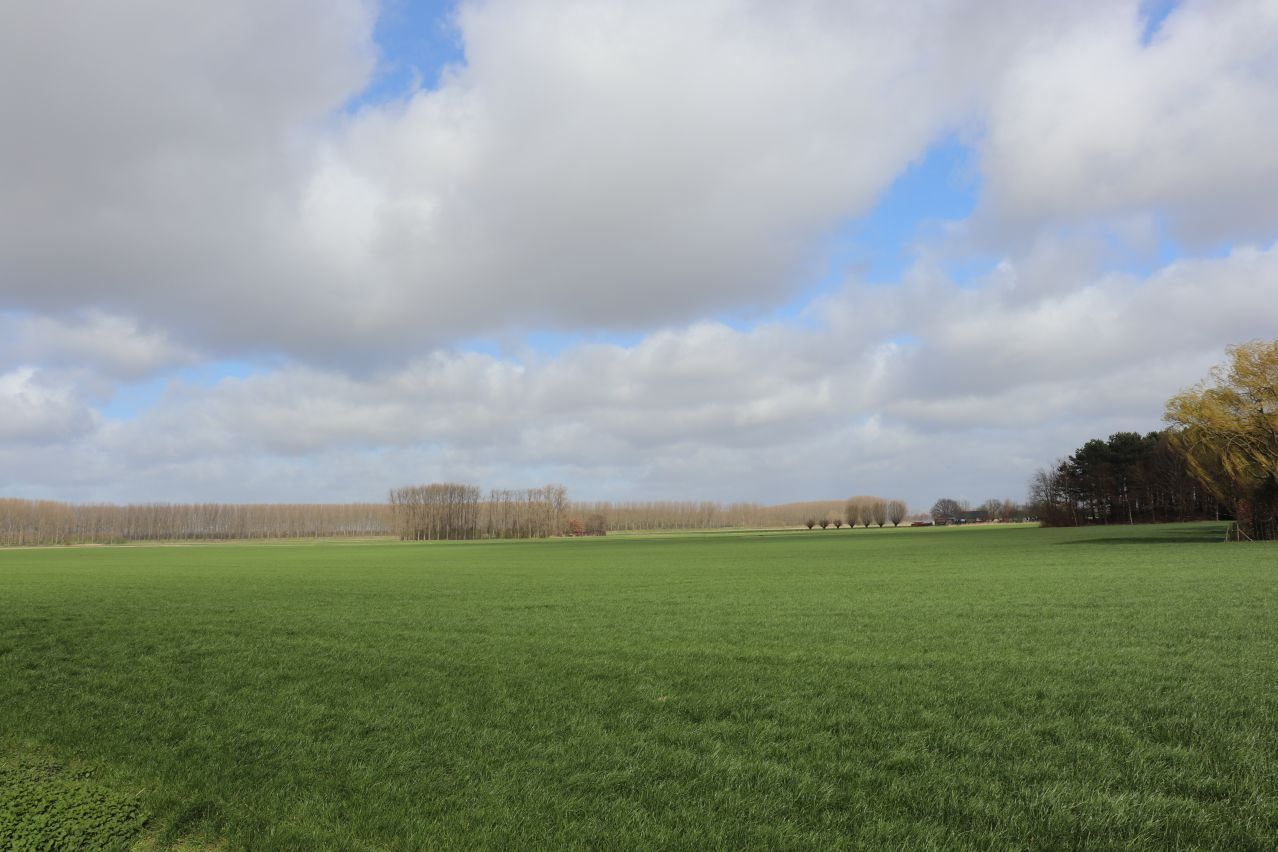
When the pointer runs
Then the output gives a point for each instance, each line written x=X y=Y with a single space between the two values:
x=935 y=688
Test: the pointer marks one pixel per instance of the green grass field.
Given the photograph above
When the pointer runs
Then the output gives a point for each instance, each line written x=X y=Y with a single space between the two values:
x=965 y=688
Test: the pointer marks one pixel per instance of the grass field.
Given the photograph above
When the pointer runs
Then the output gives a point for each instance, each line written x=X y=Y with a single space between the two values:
x=965 y=688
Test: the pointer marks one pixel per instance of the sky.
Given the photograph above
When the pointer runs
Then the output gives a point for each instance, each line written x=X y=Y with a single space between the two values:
x=275 y=250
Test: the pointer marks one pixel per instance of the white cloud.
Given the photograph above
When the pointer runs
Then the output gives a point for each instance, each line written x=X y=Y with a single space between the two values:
x=993 y=384
x=184 y=184
x=113 y=347
x=1089 y=122
x=36 y=408
x=151 y=151
x=616 y=164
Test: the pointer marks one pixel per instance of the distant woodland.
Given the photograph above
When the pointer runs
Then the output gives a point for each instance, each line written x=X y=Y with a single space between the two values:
x=1217 y=458
x=1125 y=479
x=426 y=512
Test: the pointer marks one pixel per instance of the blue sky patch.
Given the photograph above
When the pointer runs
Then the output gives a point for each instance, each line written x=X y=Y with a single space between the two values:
x=416 y=40
x=132 y=399
x=1154 y=13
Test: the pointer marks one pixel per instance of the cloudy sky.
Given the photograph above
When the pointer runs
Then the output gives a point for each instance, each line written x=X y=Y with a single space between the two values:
x=260 y=250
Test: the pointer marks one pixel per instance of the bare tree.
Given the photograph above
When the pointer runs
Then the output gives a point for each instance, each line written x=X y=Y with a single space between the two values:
x=557 y=496
x=994 y=510
x=946 y=509
x=896 y=512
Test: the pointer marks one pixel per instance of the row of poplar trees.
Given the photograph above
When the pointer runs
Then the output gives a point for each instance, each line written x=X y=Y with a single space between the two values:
x=39 y=522
x=454 y=512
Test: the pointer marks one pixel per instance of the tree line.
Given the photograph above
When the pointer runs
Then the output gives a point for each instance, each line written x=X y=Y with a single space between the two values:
x=38 y=522
x=1218 y=458
x=1126 y=479
x=423 y=512
x=455 y=512
x=708 y=514
x=862 y=511
x=701 y=514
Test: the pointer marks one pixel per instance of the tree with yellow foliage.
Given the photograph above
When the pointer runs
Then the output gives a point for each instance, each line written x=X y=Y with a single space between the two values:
x=1227 y=429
